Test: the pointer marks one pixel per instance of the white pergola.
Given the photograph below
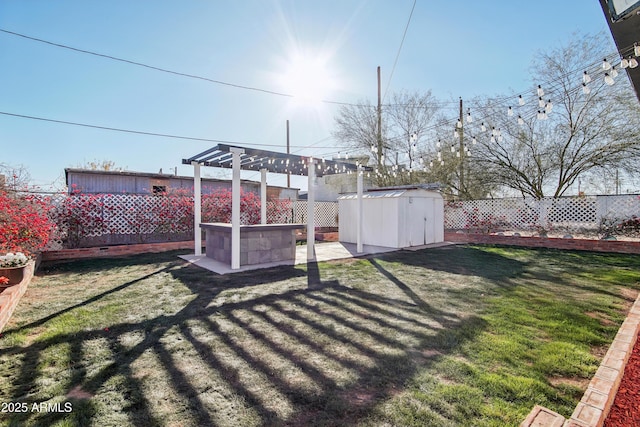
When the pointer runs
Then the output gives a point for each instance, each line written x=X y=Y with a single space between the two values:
x=242 y=158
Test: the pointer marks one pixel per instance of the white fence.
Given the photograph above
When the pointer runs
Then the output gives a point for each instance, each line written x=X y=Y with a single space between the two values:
x=588 y=215
x=86 y=220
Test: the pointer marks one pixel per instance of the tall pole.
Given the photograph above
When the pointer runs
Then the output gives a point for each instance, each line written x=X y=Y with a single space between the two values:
x=461 y=150
x=288 y=147
x=379 y=136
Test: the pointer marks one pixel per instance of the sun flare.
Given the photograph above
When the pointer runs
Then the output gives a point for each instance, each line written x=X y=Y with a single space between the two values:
x=307 y=79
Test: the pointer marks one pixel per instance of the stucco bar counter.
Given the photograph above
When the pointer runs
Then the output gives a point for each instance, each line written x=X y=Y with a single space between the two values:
x=259 y=243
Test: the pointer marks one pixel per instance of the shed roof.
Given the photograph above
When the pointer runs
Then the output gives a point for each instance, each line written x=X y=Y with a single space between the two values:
x=254 y=159
x=391 y=193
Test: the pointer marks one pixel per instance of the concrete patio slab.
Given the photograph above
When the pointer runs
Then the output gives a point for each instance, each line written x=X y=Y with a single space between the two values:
x=324 y=252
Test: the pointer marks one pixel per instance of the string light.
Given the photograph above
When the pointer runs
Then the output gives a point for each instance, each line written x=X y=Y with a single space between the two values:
x=586 y=78
x=608 y=79
x=586 y=89
x=636 y=50
x=633 y=63
x=459 y=124
x=540 y=91
x=520 y=100
x=624 y=63
x=510 y=112
x=605 y=65
x=469 y=117
x=540 y=102
x=520 y=120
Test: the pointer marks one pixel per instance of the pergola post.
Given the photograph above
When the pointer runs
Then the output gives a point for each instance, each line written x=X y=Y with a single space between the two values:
x=235 y=208
x=311 y=202
x=359 y=247
x=263 y=196
x=197 y=209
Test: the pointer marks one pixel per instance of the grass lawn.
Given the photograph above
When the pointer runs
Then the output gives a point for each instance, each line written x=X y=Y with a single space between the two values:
x=456 y=336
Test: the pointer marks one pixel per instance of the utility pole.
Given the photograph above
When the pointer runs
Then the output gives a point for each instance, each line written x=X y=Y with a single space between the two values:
x=288 y=147
x=379 y=124
x=461 y=133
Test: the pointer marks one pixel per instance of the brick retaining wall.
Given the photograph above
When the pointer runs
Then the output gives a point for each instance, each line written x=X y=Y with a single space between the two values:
x=618 y=246
x=110 y=251
x=10 y=296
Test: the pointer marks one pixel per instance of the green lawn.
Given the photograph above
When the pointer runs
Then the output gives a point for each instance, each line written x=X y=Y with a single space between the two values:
x=461 y=335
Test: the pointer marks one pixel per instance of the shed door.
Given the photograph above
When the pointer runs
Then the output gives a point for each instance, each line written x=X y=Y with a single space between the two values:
x=415 y=221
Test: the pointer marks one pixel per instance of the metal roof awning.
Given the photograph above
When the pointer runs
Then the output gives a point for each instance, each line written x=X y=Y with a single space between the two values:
x=254 y=159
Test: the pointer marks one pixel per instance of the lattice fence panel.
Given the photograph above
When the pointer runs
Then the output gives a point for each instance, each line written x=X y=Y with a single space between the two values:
x=90 y=220
x=325 y=213
x=568 y=214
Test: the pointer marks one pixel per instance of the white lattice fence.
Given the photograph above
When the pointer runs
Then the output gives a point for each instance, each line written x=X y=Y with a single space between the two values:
x=325 y=213
x=590 y=214
x=90 y=220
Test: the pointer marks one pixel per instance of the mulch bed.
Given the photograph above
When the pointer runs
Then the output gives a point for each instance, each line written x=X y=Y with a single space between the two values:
x=625 y=411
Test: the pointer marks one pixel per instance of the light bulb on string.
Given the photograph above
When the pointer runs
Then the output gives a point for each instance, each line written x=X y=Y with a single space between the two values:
x=614 y=72
x=605 y=65
x=636 y=50
x=540 y=91
x=520 y=100
x=469 y=117
x=455 y=133
x=493 y=139
x=624 y=63
x=548 y=107
x=457 y=154
x=633 y=63
x=483 y=128
x=540 y=102
x=459 y=124
x=510 y=112
x=453 y=148
x=520 y=120
x=586 y=78
x=474 y=141
x=608 y=79
x=586 y=89
x=431 y=164
x=441 y=162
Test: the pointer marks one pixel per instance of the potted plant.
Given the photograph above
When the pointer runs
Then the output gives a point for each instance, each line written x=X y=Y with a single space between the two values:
x=12 y=268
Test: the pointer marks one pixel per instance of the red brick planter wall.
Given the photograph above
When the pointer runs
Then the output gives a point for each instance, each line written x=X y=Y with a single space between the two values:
x=618 y=246
x=110 y=251
x=10 y=297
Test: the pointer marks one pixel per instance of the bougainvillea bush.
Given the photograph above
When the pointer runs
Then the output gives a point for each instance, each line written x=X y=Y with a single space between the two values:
x=25 y=225
x=83 y=218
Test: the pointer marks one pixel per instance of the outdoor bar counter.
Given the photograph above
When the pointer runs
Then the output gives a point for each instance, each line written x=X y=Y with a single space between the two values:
x=259 y=243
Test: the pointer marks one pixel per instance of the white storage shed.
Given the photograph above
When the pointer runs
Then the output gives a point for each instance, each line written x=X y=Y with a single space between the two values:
x=394 y=218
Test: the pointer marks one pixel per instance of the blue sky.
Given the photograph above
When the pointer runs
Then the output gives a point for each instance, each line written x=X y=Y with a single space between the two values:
x=455 y=49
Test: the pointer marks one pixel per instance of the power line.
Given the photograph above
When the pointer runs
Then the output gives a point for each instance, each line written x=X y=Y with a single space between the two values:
x=163 y=70
x=399 y=49
x=137 y=132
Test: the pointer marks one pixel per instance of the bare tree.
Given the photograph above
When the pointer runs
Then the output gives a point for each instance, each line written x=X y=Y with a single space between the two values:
x=406 y=125
x=14 y=178
x=564 y=131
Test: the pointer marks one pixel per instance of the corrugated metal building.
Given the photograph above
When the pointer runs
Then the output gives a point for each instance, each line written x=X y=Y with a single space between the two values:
x=119 y=182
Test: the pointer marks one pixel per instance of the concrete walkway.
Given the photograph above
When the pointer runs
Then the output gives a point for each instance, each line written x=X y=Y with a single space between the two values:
x=324 y=252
